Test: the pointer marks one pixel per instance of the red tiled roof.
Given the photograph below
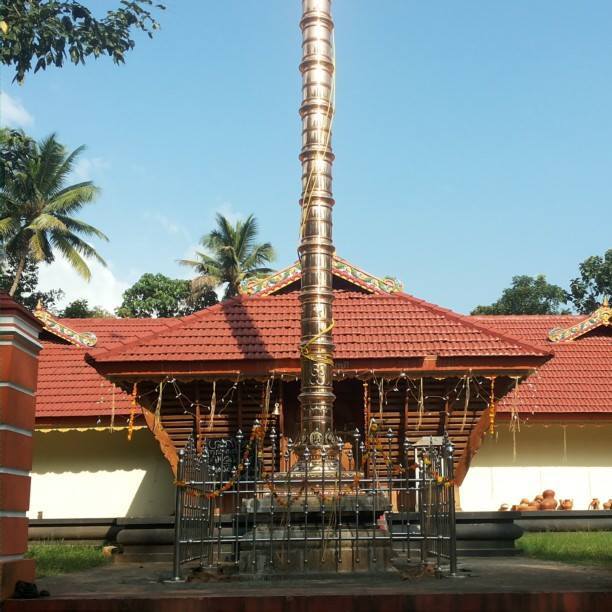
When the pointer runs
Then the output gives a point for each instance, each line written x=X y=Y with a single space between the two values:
x=578 y=379
x=68 y=386
x=367 y=327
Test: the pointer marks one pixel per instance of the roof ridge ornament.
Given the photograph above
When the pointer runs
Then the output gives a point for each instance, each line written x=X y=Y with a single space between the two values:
x=341 y=268
x=52 y=325
x=602 y=317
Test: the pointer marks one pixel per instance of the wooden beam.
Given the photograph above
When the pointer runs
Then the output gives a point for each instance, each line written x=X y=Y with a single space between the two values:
x=474 y=442
x=165 y=442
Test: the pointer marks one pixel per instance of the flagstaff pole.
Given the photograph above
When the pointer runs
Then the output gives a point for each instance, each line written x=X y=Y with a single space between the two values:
x=316 y=248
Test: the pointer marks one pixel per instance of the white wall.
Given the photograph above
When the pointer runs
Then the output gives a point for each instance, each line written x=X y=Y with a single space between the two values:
x=581 y=472
x=94 y=474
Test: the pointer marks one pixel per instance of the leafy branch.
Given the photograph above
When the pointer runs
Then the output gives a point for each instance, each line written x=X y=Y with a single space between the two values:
x=42 y=33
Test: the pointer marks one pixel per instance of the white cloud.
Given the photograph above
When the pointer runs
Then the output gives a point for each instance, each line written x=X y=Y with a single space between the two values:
x=169 y=226
x=104 y=289
x=87 y=168
x=13 y=113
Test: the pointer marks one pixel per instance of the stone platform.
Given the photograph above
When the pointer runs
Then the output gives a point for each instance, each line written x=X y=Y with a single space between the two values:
x=502 y=584
x=357 y=551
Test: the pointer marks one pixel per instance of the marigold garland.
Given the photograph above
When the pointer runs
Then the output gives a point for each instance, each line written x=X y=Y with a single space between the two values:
x=492 y=408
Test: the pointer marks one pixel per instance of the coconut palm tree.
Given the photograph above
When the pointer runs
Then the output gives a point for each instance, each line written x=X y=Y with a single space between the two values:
x=37 y=211
x=232 y=256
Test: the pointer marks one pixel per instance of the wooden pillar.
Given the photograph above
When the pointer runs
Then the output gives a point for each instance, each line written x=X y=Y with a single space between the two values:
x=19 y=348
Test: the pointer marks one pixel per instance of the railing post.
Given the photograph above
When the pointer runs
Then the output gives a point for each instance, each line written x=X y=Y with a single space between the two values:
x=178 y=515
x=450 y=450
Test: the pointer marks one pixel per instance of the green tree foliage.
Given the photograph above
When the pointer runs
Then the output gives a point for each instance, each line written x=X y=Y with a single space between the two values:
x=80 y=309
x=27 y=294
x=588 y=291
x=527 y=295
x=41 y=33
x=156 y=295
x=234 y=256
x=16 y=150
x=37 y=210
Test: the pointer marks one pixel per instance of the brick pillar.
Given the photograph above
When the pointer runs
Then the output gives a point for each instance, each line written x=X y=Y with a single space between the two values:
x=19 y=348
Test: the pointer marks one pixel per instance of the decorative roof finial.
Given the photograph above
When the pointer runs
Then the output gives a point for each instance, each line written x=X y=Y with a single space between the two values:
x=86 y=339
x=601 y=317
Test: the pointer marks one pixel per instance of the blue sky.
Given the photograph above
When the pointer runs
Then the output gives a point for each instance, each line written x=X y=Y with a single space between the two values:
x=473 y=139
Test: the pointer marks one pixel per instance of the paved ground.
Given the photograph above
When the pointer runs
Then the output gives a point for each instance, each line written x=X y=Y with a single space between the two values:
x=479 y=575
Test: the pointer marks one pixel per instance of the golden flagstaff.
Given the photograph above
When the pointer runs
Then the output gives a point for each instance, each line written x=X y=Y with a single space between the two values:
x=316 y=248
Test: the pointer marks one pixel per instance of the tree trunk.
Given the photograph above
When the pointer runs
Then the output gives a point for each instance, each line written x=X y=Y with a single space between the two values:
x=18 y=273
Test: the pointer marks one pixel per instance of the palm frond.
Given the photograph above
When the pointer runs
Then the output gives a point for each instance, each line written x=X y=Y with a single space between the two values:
x=203 y=283
x=246 y=232
x=8 y=226
x=51 y=155
x=63 y=170
x=72 y=256
x=225 y=229
x=39 y=247
x=234 y=253
x=261 y=254
x=74 y=225
x=45 y=222
x=79 y=245
x=72 y=198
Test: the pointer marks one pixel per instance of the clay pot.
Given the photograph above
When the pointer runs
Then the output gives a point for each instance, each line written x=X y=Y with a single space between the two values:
x=522 y=507
x=504 y=508
x=538 y=498
x=548 y=500
x=525 y=501
x=514 y=508
x=566 y=504
x=608 y=505
x=532 y=507
x=594 y=505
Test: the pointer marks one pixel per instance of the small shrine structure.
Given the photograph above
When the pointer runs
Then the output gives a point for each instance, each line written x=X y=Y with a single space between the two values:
x=416 y=367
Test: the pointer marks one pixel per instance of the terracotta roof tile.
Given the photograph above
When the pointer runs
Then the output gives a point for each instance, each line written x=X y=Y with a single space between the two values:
x=367 y=326
x=578 y=379
x=259 y=328
x=68 y=386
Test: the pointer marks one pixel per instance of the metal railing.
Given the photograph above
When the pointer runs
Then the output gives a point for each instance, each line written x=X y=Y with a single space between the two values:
x=348 y=509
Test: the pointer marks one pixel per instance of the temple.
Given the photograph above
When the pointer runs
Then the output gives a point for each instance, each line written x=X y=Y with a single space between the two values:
x=413 y=366
x=323 y=353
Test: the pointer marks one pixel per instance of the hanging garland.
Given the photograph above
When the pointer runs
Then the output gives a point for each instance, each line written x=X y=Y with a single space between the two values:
x=415 y=386
x=158 y=406
x=112 y=420
x=466 y=401
x=366 y=403
x=515 y=423
x=421 y=405
x=492 y=408
x=437 y=477
x=213 y=405
x=132 y=412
